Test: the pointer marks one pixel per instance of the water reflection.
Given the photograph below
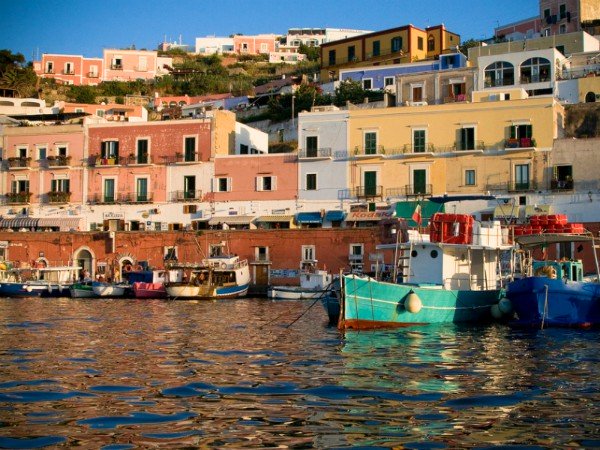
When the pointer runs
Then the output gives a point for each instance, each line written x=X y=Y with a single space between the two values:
x=122 y=374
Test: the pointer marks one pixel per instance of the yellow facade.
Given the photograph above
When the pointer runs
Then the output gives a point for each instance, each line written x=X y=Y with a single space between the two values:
x=393 y=46
x=499 y=146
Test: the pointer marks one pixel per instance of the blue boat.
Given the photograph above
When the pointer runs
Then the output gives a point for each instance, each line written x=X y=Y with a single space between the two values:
x=50 y=281
x=554 y=293
x=433 y=281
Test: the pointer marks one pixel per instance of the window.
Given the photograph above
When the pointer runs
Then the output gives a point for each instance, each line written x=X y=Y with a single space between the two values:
x=42 y=152
x=189 y=187
x=222 y=184
x=467 y=138
x=562 y=178
x=100 y=112
x=267 y=183
x=61 y=150
x=170 y=253
x=535 y=70
x=117 y=63
x=562 y=11
x=311 y=181
x=370 y=143
x=261 y=253
x=500 y=73
x=420 y=43
x=351 y=53
x=60 y=185
x=244 y=149
x=417 y=93
x=312 y=146
x=388 y=81
x=367 y=83
x=142 y=151
x=264 y=48
x=141 y=190
x=109 y=149
x=419 y=182
x=332 y=57
x=356 y=251
x=49 y=67
x=521 y=177
x=190 y=149
x=370 y=183
x=69 y=68
x=19 y=186
x=308 y=253
x=419 y=141
x=430 y=44
x=521 y=136
x=376 y=48
x=546 y=13
x=562 y=29
x=108 y=196
x=397 y=44
x=190 y=209
x=470 y=177
x=22 y=152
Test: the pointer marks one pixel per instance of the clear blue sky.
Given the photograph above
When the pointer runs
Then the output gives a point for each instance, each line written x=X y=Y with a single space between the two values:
x=86 y=27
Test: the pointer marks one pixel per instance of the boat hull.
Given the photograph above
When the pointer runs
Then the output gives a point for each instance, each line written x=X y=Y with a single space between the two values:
x=542 y=301
x=108 y=290
x=368 y=304
x=149 y=290
x=81 y=290
x=33 y=289
x=295 y=293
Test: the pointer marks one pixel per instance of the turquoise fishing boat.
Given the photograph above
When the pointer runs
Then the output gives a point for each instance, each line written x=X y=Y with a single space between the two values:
x=455 y=274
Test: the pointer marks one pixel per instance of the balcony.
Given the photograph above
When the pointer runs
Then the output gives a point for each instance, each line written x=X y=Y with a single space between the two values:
x=186 y=196
x=561 y=185
x=460 y=146
x=513 y=186
x=97 y=199
x=68 y=72
x=411 y=190
x=18 y=162
x=315 y=153
x=49 y=72
x=92 y=74
x=55 y=197
x=18 y=198
x=376 y=150
x=181 y=158
x=361 y=192
x=99 y=161
x=134 y=198
x=58 y=161
x=116 y=67
x=514 y=143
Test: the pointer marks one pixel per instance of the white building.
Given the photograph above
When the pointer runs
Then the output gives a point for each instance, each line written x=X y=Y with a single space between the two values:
x=211 y=45
x=313 y=37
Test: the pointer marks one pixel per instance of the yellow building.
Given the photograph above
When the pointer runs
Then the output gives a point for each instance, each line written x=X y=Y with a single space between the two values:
x=490 y=144
x=394 y=46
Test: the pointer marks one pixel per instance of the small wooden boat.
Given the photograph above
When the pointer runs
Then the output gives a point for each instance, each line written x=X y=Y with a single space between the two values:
x=314 y=283
x=104 y=289
x=82 y=289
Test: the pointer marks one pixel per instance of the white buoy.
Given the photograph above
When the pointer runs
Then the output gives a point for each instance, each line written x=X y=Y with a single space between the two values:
x=413 y=303
x=28 y=289
x=496 y=313
x=505 y=306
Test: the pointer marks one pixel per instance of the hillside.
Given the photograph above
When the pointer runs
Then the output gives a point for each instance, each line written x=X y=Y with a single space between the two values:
x=583 y=120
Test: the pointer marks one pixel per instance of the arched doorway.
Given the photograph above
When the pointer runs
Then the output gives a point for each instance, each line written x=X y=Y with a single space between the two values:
x=590 y=97
x=84 y=259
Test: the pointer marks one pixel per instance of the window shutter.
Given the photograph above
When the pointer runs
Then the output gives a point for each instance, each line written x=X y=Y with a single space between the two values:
x=513 y=132
x=229 y=183
x=273 y=183
x=259 y=184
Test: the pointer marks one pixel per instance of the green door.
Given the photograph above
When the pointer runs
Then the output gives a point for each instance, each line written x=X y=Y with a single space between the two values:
x=370 y=184
x=419 y=181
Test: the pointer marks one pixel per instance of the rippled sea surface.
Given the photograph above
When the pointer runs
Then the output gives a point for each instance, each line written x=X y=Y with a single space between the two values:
x=253 y=373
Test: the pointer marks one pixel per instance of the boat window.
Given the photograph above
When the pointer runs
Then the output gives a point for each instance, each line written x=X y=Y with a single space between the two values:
x=434 y=253
x=414 y=253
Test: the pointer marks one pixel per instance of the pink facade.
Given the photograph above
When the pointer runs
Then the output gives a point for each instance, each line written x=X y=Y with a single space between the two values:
x=136 y=157
x=182 y=100
x=70 y=69
x=529 y=28
x=255 y=177
x=255 y=45
x=129 y=65
x=560 y=16
x=43 y=162
x=111 y=111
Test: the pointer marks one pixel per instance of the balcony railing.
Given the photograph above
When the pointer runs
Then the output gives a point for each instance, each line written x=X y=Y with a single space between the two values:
x=315 y=153
x=186 y=196
x=411 y=190
x=18 y=162
x=134 y=197
x=534 y=79
x=561 y=185
x=361 y=192
x=465 y=146
x=520 y=143
x=58 y=197
x=68 y=72
x=18 y=198
x=99 y=199
x=57 y=161
x=181 y=158
x=97 y=160
x=92 y=74
x=513 y=186
x=116 y=67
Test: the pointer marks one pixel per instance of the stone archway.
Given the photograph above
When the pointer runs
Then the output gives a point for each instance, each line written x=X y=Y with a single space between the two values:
x=84 y=258
x=590 y=97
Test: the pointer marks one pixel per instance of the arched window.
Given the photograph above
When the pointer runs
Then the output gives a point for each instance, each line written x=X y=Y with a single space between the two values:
x=500 y=73
x=590 y=97
x=535 y=70
x=430 y=44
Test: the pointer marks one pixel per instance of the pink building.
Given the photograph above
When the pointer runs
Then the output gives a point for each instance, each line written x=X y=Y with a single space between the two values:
x=43 y=165
x=130 y=65
x=111 y=111
x=70 y=69
x=255 y=45
x=130 y=161
x=255 y=177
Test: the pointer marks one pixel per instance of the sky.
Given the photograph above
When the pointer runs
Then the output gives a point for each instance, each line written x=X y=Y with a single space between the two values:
x=84 y=27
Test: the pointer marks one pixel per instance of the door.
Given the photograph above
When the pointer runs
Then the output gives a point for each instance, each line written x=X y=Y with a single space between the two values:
x=261 y=275
x=109 y=191
x=189 y=187
x=370 y=184
x=419 y=181
x=142 y=190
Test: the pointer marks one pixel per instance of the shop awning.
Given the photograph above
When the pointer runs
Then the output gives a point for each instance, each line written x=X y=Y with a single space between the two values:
x=506 y=212
x=334 y=216
x=231 y=220
x=275 y=218
x=19 y=222
x=309 y=217
x=363 y=216
x=63 y=223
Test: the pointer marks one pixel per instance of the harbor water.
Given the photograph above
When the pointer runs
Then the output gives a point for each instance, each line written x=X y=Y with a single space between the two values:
x=256 y=373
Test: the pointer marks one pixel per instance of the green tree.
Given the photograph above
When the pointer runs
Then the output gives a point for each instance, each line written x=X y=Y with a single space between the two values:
x=350 y=91
x=24 y=81
x=465 y=46
x=10 y=61
x=83 y=94
x=312 y=53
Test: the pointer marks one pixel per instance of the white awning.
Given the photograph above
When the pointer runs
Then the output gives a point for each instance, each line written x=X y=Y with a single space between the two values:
x=64 y=223
x=231 y=220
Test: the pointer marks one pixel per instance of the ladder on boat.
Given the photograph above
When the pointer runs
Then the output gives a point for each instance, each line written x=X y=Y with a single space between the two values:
x=403 y=264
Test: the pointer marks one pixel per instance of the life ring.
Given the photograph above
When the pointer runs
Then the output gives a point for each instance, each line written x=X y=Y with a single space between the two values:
x=546 y=271
x=127 y=268
x=3 y=266
x=223 y=265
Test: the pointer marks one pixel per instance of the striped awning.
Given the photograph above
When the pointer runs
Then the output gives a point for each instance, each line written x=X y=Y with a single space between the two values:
x=334 y=216
x=309 y=217
x=231 y=220
x=63 y=223
x=275 y=218
x=19 y=222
